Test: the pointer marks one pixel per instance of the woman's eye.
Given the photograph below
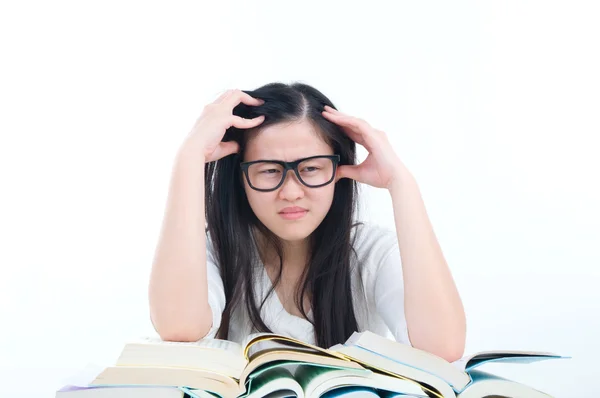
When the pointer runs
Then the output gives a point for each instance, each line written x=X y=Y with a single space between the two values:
x=310 y=168
x=270 y=171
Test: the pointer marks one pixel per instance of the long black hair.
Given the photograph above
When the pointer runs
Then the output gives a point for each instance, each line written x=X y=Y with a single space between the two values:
x=232 y=223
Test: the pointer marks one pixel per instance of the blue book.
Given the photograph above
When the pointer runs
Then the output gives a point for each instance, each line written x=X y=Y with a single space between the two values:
x=484 y=385
x=446 y=379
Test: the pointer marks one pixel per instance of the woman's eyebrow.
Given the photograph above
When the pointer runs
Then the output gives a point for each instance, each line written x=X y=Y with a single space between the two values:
x=287 y=161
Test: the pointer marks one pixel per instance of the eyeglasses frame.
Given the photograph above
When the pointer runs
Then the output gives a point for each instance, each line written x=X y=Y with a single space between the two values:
x=290 y=166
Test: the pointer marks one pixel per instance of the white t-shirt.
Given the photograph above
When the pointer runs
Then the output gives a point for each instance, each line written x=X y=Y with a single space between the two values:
x=378 y=306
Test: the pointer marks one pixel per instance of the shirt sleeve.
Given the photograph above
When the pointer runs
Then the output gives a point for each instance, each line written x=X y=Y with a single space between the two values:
x=389 y=293
x=216 y=290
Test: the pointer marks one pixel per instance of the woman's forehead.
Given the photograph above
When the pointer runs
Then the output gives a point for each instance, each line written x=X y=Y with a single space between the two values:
x=289 y=141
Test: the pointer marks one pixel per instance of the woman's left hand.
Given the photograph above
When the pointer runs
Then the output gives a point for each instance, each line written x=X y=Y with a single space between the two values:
x=382 y=166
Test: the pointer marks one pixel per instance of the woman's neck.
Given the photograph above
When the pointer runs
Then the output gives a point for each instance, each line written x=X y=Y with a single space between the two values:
x=295 y=256
x=295 y=259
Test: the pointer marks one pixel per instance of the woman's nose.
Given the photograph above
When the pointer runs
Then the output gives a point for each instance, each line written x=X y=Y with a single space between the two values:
x=291 y=189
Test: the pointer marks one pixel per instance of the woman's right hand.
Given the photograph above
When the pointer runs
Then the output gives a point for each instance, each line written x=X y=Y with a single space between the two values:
x=205 y=137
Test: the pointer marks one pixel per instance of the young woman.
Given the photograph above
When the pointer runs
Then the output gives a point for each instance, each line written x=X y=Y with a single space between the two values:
x=272 y=174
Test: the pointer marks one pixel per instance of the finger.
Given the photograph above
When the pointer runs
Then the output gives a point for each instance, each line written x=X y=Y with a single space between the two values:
x=357 y=126
x=351 y=129
x=348 y=171
x=242 y=123
x=238 y=96
x=358 y=122
x=334 y=111
x=226 y=149
x=225 y=94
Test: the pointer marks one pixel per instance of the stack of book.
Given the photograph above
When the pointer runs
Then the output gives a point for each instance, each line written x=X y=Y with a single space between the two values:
x=270 y=365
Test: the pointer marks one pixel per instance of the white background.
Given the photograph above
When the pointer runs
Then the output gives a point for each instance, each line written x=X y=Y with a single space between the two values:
x=493 y=106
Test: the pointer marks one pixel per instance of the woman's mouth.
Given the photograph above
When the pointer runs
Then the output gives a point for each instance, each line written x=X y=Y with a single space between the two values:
x=293 y=213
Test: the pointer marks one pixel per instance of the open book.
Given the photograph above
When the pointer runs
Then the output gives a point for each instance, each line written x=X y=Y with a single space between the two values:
x=259 y=366
x=449 y=379
x=486 y=385
x=274 y=364
x=371 y=348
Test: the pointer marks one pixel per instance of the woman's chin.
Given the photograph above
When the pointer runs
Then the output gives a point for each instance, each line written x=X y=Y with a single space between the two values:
x=292 y=232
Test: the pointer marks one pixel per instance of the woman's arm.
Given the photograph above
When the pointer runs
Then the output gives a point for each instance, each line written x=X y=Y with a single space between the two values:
x=434 y=312
x=433 y=308
x=178 y=291
x=182 y=301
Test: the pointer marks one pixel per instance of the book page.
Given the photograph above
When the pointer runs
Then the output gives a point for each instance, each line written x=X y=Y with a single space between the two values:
x=410 y=356
x=278 y=375
x=209 y=343
x=274 y=345
x=253 y=336
x=251 y=345
x=461 y=364
x=471 y=361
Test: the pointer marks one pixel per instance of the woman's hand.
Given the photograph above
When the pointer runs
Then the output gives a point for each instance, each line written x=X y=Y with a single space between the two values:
x=382 y=166
x=205 y=137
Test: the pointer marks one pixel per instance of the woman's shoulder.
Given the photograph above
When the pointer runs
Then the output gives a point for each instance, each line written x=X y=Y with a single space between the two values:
x=372 y=241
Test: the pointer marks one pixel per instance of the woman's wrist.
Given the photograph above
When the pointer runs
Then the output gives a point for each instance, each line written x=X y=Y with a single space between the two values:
x=192 y=151
x=189 y=160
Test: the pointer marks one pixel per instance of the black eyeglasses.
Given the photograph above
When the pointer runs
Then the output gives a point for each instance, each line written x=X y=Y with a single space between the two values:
x=268 y=175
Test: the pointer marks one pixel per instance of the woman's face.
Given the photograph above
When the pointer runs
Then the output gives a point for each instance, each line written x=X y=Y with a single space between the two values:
x=288 y=142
